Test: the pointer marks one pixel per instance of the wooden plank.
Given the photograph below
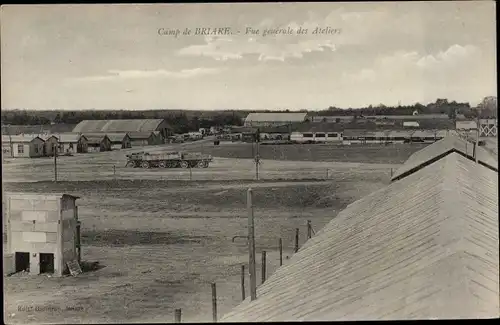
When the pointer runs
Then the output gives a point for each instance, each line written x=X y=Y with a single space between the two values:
x=74 y=267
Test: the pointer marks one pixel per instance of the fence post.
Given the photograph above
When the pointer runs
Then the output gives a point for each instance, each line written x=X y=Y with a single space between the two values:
x=327 y=173
x=243 y=282
x=309 y=232
x=391 y=172
x=263 y=266
x=178 y=315
x=281 y=251
x=114 y=171
x=251 y=247
x=214 y=303
x=190 y=173
x=296 y=240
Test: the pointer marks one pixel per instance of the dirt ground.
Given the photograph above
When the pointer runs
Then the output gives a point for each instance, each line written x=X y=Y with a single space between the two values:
x=162 y=239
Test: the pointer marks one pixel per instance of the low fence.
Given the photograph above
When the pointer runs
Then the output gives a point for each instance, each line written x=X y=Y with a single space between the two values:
x=248 y=275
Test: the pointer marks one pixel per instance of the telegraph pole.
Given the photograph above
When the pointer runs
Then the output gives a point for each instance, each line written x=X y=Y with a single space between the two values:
x=55 y=163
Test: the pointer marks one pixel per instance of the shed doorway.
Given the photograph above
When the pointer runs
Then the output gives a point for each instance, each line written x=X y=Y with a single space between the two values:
x=46 y=263
x=22 y=261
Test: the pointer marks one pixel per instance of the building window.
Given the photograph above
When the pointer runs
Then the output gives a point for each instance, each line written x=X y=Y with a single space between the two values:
x=20 y=148
x=334 y=135
x=308 y=135
x=36 y=149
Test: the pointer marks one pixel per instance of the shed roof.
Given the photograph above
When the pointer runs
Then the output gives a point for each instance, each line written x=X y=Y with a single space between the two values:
x=441 y=148
x=96 y=139
x=69 y=137
x=28 y=195
x=276 y=117
x=140 y=135
x=400 y=253
x=24 y=138
x=113 y=137
x=137 y=125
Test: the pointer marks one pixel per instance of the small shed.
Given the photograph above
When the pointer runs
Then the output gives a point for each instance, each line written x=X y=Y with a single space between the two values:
x=98 y=143
x=51 y=142
x=41 y=231
x=72 y=142
x=119 y=140
x=138 y=139
x=25 y=145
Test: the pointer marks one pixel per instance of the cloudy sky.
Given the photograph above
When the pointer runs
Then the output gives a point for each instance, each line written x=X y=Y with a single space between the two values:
x=112 y=56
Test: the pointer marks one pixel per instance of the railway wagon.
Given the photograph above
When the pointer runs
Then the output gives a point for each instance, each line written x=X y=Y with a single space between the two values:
x=168 y=160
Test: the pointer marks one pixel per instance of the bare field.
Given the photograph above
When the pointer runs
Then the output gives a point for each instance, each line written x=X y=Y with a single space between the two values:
x=163 y=243
x=162 y=238
x=231 y=162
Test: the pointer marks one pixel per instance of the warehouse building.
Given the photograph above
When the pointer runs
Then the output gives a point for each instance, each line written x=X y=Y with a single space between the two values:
x=124 y=126
x=424 y=247
x=27 y=146
x=273 y=119
x=41 y=232
x=50 y=145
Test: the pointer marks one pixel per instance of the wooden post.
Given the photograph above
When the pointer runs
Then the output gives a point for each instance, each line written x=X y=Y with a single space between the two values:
x=309 y=229
x=178 y=314
x=327 y=173
x=78 y=242
x=243 y=282
x=190 y=173
x=477 y=139
x=55 y=164
x=281 y=251
x=214 y=303
x=391 y=172
x=251 y=247
x=296 y=240
x=263 y=266
x=114 y=171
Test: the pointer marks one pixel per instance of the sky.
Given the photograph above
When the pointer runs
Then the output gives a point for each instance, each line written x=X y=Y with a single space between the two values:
x=76 y=57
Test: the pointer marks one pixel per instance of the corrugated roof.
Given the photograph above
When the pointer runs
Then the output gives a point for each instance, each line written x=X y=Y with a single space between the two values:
x=423 y=247
x=138 y=125
x=276 y=117
x=20 y=138
x=440 y=149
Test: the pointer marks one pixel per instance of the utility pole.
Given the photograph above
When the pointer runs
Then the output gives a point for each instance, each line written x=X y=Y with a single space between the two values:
x=55 y=163
x=251 y=247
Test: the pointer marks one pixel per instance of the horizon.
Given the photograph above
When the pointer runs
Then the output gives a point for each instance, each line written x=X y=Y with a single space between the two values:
x=381 y=53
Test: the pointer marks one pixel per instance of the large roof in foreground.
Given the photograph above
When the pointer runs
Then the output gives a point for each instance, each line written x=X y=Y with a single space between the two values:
x=425 y=246
x=99 y=126
x=276 y=117
x=441 y=148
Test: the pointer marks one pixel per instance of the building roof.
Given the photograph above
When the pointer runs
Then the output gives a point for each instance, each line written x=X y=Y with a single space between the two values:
x=423 y=247
x=96 y=139
x=441 y=148
x=276 y=117
x=138 y=125
x=24 y=138
x=27 y=195
x=140 y=135
x=320 y=127
x=69 y=137
x=113 y=136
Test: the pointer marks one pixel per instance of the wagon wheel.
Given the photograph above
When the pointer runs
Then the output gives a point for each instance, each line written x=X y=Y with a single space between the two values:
x=162 y=164
x=184 y=164
x=200 y=164
x=171 y=164
x=130 y=164
x=145 y=164
x=205 y=164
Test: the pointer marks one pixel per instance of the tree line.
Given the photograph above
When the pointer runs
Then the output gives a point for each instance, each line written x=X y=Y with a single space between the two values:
x=185 y=121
